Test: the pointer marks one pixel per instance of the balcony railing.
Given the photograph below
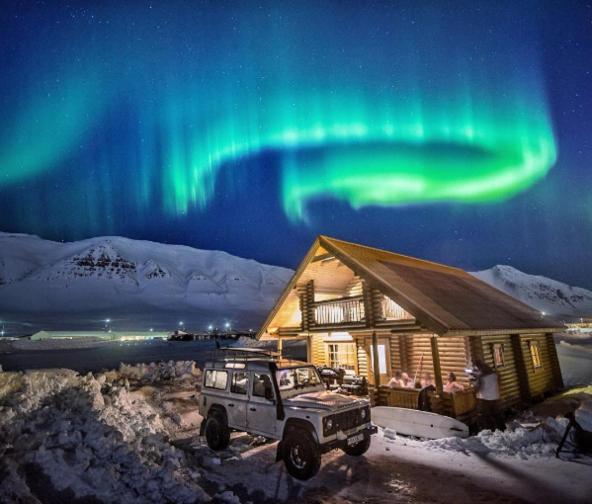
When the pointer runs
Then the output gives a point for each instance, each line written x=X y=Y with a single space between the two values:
x=392 y=311
x=339 y=311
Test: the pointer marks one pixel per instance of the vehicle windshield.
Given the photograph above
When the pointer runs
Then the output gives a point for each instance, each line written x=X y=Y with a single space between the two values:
x=298 y=380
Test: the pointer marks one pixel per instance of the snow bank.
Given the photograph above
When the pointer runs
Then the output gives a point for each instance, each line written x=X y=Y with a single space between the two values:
x=160 y=372
x=90 y=436
x=517 y=440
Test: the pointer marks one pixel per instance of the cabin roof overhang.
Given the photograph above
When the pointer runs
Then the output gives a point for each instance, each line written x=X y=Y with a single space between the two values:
x=440 y=311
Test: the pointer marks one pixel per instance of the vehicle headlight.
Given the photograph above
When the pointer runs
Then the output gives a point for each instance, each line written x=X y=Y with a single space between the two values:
x=364 y=413
x=329 y=424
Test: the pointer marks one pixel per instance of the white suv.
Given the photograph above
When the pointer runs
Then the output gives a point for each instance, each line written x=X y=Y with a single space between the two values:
x=250 y=390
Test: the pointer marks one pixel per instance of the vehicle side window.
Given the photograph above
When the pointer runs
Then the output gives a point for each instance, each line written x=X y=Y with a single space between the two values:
x=261 y=383
x=240 y=382
x=216 y=378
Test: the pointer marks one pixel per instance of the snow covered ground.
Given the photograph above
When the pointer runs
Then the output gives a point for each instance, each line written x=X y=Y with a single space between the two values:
x=130 y=435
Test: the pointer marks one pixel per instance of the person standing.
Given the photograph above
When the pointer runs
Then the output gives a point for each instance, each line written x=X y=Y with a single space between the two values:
x=488 y=396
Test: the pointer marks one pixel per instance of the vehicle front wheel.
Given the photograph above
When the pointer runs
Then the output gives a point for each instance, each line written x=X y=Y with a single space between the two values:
x=301 y=454
x=216 y=431
x=358 y=449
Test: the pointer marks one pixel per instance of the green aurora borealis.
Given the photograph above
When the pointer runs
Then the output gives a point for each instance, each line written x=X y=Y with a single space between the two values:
x=444 y=130
x=468 y=135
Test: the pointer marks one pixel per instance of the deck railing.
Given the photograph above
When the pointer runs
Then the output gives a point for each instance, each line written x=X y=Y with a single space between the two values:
x=392 y=311
x=339 y=311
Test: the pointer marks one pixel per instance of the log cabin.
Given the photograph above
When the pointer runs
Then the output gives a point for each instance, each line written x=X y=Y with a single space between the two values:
x=372 y=312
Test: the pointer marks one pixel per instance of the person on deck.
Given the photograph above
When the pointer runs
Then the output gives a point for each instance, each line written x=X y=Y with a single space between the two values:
x=406 y=381
x=396 y=380
x=452 y=385
x=488 y=395
x=426 y=380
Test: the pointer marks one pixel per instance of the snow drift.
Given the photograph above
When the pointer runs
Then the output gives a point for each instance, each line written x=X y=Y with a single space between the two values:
x=92 y=436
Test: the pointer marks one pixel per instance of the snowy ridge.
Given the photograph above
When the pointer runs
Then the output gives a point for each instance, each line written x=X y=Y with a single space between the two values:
x=544 y=294
x=114 y=273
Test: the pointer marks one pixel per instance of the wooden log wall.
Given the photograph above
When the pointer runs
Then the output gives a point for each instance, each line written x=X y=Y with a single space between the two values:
x=509 y=382
x=554 y=361
x=520 y=367
x=363 y=343
x=306 y=297
x=354 y=288
x=375 y=298
x=542 y=379
x=317 y=350
x=455 y=356
x=416 y=346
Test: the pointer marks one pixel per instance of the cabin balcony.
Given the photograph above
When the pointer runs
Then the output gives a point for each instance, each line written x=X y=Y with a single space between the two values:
x=392 y=311
x=341 y=311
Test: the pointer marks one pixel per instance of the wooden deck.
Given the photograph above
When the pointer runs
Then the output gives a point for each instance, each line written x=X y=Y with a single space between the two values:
x=457 y=405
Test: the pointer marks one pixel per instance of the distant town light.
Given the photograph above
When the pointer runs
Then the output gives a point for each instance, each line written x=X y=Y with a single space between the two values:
x=151 y=329
x=210 y=327
x=543 y=313
x=227 y=325
x=181 y=323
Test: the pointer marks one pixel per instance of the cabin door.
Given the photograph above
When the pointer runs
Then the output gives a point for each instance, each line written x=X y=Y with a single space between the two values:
x=384 y=360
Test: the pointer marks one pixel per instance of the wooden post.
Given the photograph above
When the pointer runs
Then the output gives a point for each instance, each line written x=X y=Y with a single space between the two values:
x=308 y=348
x=375 y=360
x=368 y=306
x=520 y=367
x=436 y=361
x=280 y=345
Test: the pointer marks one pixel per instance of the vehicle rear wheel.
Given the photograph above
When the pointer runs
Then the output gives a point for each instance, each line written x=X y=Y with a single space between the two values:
x=358 y=449
x=216 y=431
x=301 y=454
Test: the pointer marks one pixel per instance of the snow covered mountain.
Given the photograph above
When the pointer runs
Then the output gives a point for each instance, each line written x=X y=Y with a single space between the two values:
x=141 y=284
x=555 y=298
x=54 y=284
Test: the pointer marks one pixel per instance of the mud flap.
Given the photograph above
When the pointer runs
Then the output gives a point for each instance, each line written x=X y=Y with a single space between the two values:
x=280 y=451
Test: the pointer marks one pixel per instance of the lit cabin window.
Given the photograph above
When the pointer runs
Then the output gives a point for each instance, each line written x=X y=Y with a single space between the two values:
x=392 y=310
x=498 y=354
x=535 y=354
x=342 y=355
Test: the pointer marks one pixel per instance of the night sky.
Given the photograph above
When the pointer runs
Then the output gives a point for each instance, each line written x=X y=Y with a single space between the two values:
x=457 y=132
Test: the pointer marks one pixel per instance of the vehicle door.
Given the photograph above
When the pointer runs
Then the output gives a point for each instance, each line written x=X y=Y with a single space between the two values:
x=238 y=399
x=261 y=411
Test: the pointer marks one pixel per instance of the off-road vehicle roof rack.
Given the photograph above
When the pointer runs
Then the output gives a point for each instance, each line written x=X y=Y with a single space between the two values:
x=233 y=354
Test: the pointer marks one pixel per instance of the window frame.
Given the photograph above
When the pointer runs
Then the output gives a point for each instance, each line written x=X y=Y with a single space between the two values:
x=233 y=390
x=497 y=350
x=215 y=371
x=333 y=356
x=534 y=348
x=253 y=394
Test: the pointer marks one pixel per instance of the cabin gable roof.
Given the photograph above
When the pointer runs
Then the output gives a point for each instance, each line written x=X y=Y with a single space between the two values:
x=442 y=298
